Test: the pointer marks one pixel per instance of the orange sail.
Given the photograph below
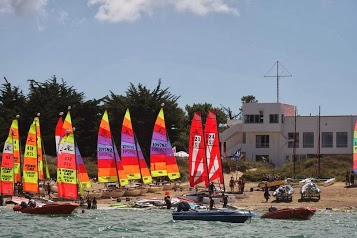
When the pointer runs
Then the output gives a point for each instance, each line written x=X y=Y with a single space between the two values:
x=66 y=163
x=129 y=155
x=197 y=155
x=10 y=163
x=214 y=163
x=158 y=147
x=31 y=163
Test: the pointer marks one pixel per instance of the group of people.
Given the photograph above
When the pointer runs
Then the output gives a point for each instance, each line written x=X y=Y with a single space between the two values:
x=350 y=179
x=91 y=204
x=240 y=183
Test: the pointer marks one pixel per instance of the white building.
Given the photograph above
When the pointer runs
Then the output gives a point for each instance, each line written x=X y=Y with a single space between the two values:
x=266 y=132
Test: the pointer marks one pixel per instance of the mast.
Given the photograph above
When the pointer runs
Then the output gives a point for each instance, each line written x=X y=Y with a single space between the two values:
x=205 y=154
x=319 y=145
x=277 y=76
x=219 y=146
x=294 y=145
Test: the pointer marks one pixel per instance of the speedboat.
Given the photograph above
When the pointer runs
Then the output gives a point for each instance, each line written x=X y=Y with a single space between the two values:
x=284 y=193
x=310 y=190
x=224 y=215
x=300 y=213
x=43 y=209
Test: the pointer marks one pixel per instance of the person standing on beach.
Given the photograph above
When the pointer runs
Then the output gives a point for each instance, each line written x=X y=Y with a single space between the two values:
x=48 y=186
x=94 y=203
x=1 y=200
x=266 y=193
x=231 y=184
x=347 y=178
x=352 y=179
x=89 y=203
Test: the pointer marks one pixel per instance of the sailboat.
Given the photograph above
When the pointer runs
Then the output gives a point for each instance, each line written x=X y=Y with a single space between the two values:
x=132 y=165
x=110 y=168
x=10 y=163
x=204 y=156
x=159 y=150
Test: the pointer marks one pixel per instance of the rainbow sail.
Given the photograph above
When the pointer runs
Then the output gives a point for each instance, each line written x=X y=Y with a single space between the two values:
x=173 y=171
x=66 y=163
x=83 y=178
x=158 y=147
x=145 y=173
x=10 y=163
x=355 y=149
x=197 y=156
x=128 y=151
x=31 y=163
x=110 y=168
x=214 y=163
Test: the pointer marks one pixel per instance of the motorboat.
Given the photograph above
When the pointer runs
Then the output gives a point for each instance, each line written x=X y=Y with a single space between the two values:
x=284 y=193
x=310 y=190
x=224 y=215
x=301 y=213
x=48 y=209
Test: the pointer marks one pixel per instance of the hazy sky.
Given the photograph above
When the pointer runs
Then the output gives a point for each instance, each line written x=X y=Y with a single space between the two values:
x=213 y=51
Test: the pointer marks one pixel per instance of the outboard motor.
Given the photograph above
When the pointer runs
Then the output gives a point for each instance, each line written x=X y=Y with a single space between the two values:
x=183 y=206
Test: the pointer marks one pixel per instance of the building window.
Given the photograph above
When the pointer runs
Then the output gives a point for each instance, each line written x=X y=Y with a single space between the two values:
x=308 y=140
x=262 y=141
x=341 y=139
x=291 y=140
x=262 y=158
x=327 y=139
x=253 y=118
x=274 y=118
x=244 y=137
x=282 y=118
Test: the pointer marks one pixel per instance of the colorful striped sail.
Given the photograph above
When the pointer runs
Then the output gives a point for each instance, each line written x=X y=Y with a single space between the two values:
x=59 y=133
x=129 y=156
x=107 y=170
x=42 y=163
x=31 y=163
x=355 y=149
x=197 y=156
x=173 y=171
x=10 y=163
x=214 y=163
x=123 y=179
x=158 y=147
x=145 y=173
x=66 y=163
x=83 y=178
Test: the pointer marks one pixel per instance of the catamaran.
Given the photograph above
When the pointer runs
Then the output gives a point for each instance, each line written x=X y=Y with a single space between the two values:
x=159 y=150
x=110 y=168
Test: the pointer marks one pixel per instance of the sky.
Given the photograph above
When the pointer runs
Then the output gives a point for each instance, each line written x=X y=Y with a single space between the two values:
x=213 y=51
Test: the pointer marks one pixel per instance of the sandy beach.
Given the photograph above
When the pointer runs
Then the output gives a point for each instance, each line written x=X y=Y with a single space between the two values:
x=333 y=197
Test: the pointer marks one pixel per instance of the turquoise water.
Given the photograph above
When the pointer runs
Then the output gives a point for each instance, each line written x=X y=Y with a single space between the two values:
x=159 y=223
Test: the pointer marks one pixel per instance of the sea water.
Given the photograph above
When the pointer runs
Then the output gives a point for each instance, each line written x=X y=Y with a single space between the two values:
x=159 y=223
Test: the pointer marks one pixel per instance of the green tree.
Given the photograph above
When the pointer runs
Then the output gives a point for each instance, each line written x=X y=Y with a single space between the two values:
x=12 y=102
x=50 y=98
x=144 y=105
x=204 y=108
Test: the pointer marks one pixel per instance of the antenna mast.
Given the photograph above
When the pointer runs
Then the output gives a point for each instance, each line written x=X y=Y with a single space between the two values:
x=277 y=76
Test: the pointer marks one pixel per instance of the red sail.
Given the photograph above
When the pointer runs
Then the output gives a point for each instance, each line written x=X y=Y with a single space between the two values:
x=197 y=155
x=214 y=163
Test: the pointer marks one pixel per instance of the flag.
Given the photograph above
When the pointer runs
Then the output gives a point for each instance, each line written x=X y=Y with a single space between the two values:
x=236 y=155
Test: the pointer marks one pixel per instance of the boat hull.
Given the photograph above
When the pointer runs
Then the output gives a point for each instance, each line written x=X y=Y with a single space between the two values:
x=154 y=189
x=132 y=192
x=291 y=213
x=168 y=186
x=115 y=193
x=49 y=209
x=223 y=216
